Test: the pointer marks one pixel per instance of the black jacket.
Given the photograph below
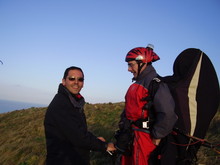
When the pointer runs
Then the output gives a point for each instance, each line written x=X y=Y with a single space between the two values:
x=67 y=138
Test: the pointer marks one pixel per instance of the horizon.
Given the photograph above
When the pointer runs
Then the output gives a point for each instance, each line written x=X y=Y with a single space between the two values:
x=12 y=105
x=6 y=106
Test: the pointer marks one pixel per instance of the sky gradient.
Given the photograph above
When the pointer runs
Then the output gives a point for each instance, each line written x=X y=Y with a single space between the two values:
x=39 y=39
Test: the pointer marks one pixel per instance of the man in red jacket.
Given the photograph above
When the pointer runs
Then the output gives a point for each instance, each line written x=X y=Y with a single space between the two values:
x=146 y=139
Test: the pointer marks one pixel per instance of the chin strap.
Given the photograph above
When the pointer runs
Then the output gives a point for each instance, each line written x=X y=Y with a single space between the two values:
x=140 y=66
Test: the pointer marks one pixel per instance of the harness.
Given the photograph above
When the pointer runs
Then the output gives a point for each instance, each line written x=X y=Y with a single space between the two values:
x=145 y=125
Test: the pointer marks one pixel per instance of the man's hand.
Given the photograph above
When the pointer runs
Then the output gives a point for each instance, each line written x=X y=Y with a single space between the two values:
x=101 y=138
x=156 y=141
x=111 y=147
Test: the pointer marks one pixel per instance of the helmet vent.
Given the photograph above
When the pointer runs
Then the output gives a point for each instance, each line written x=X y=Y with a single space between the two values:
x=139 y=57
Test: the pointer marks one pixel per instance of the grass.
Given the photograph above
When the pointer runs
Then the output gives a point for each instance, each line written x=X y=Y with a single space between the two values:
x=22 y=140
x=22 y=137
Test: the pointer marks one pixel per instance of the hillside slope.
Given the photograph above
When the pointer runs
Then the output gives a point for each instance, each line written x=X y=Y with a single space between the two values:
x=22 y=140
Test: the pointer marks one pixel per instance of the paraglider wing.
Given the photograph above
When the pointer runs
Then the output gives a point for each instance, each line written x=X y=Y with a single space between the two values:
x=195 y=89
x=197 y=92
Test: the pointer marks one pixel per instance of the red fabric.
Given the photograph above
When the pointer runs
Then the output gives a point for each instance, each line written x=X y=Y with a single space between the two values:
x=133 y=106
x=142 y=145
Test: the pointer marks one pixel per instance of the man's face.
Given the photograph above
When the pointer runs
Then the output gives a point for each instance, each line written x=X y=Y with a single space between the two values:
x=74 y=81
x=133 y=68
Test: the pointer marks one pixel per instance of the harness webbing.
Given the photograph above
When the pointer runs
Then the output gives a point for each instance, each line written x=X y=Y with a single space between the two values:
x=142 y=130
x=196 y=140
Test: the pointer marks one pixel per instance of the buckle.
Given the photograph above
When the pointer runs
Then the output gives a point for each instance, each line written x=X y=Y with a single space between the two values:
x=145 y=124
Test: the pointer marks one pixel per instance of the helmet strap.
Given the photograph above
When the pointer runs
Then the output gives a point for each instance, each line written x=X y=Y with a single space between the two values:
x=140 y=66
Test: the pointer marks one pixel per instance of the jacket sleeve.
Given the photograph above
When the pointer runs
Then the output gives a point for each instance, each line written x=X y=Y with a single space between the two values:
x=69 y=123
x=165 y=115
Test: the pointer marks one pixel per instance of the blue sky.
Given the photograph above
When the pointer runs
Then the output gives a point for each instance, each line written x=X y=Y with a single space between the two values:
x=39 y=39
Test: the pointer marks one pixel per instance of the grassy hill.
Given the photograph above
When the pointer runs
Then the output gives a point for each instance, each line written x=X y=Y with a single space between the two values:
x=22 y=140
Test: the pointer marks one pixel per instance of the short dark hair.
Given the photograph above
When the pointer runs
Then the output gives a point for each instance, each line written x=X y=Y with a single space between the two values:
x=71 y=68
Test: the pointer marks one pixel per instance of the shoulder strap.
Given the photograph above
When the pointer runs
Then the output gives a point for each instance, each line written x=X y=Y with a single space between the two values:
x=152 y=90
x=153 y=87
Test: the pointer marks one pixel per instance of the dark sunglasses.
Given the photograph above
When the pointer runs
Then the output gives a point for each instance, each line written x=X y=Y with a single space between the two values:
x=80 y=79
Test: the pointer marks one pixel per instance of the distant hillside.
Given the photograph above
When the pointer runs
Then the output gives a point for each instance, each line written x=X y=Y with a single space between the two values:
x=22 y=140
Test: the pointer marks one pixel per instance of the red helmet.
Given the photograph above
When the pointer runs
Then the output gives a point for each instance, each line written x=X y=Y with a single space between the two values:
x=142 y=55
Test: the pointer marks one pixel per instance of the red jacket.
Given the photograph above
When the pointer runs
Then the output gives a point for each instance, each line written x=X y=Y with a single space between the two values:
x=164 y=120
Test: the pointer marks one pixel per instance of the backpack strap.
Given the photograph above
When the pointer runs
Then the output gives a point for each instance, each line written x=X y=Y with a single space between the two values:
x=152 y=90
x=153 y=87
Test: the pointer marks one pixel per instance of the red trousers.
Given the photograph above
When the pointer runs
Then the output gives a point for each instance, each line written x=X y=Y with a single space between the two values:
x=142 y=148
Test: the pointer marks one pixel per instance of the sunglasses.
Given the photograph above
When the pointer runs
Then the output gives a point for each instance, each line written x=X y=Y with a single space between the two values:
x=80 y=79
x=131 y=65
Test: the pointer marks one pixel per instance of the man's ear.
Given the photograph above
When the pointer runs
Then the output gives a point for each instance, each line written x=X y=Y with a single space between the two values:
x=63 y=82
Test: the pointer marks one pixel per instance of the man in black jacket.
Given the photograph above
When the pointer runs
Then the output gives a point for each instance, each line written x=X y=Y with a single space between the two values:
x=67 y=138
